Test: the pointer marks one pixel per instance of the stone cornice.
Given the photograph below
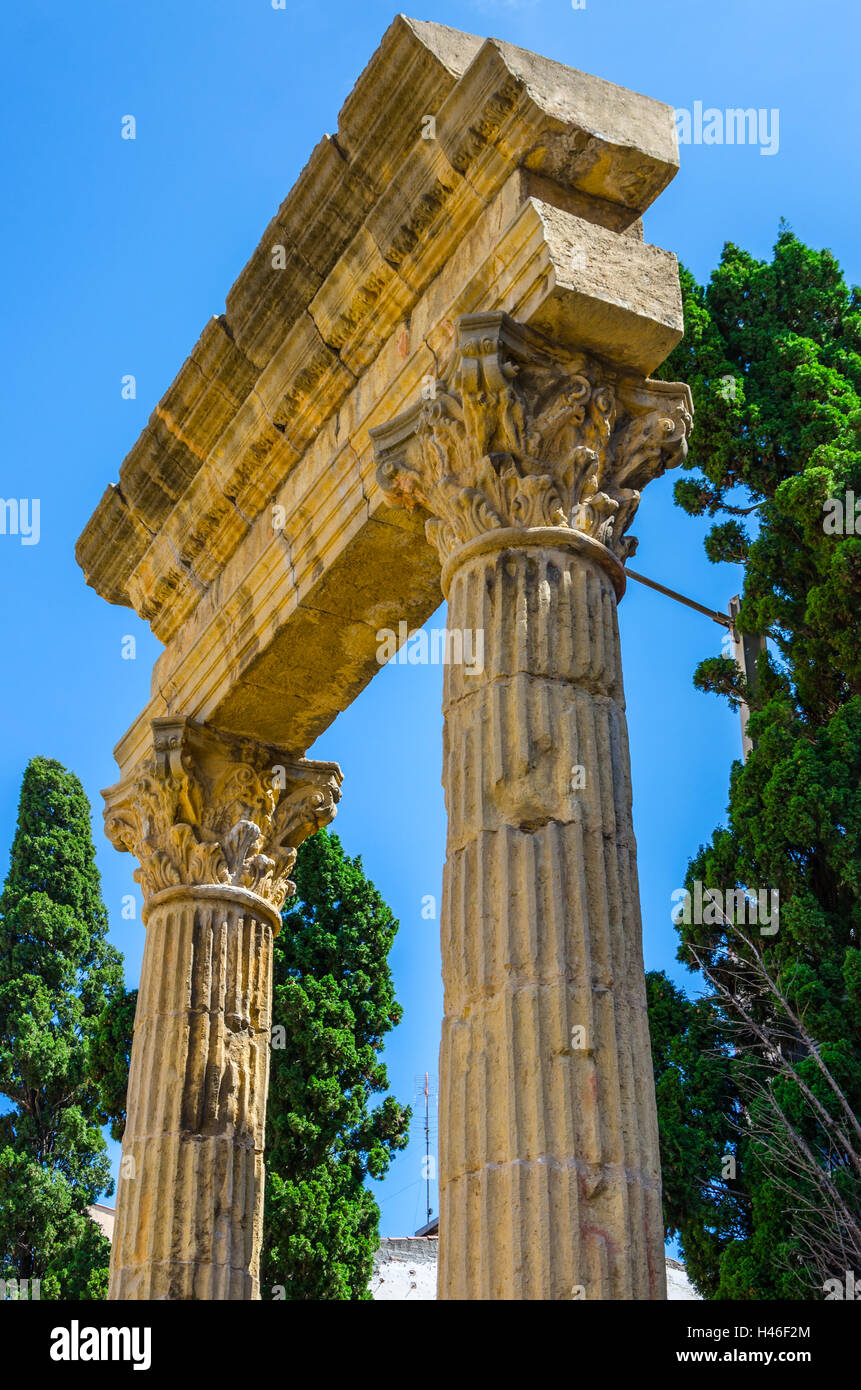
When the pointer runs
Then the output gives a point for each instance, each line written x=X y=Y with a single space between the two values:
x=515 y=434
x=208 y=809
x=370 y=222
x=232 y=660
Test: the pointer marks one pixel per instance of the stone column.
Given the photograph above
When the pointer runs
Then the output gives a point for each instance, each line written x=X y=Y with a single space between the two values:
x=530 y=462
x=215 y=822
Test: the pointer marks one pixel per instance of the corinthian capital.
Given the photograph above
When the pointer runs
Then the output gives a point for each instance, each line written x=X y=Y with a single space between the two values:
x=516 y=434
x=208 y=808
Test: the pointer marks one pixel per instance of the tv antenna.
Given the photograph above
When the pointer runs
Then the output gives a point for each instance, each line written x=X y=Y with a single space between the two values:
x=425 y=1089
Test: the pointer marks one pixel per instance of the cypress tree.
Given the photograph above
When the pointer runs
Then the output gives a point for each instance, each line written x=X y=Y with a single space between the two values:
x=334 y=1003
x=698 y=1114
x=772 y=351
x=57 y=974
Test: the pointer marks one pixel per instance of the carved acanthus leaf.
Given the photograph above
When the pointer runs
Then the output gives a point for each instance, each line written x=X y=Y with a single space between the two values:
x=208 y=808
x=513 y=435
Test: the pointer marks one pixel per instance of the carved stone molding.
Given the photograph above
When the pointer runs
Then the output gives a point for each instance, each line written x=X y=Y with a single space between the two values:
x=515 y=435
x=208 y=808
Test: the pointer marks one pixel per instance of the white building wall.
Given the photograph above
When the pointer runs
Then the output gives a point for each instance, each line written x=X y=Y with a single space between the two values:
x=405 y=1268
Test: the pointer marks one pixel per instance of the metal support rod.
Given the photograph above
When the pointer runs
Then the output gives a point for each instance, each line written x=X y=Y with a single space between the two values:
x=722 y=618
x=746 y=647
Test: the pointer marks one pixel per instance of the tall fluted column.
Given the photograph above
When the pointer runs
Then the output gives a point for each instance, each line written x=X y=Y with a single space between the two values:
x=530 y=463
x=215 y=822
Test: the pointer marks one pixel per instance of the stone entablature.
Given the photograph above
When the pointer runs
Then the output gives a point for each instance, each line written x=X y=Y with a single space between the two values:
x=431 y=378
x=248 y=517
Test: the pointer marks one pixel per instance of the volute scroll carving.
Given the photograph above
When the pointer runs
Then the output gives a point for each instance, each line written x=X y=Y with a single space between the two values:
x=515 y=434
x=209 y=808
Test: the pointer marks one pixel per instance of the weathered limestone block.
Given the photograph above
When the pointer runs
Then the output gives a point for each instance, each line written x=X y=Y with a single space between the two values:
x=524 y=196
x=530 y=462
x=215 y=823
x=474 y=226
x=312 y=595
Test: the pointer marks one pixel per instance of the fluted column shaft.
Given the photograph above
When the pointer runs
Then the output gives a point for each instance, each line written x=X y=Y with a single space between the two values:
x=196 y=1114
x=549 y=1163
x=529 y=460
x=215 y=822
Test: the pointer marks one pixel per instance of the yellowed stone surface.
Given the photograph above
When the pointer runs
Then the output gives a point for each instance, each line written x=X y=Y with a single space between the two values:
x=527 y=200
x=530 y=462
x=215 y=823
x=431 y=377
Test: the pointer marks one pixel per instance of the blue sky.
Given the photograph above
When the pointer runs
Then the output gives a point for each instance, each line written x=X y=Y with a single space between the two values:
x=117 y=252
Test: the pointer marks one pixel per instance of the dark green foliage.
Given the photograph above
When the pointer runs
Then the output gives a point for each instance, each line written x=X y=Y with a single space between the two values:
x=697 y=1111
x=772 y=351
x=334 y=999
x=57 y=974
x=110 y=1057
